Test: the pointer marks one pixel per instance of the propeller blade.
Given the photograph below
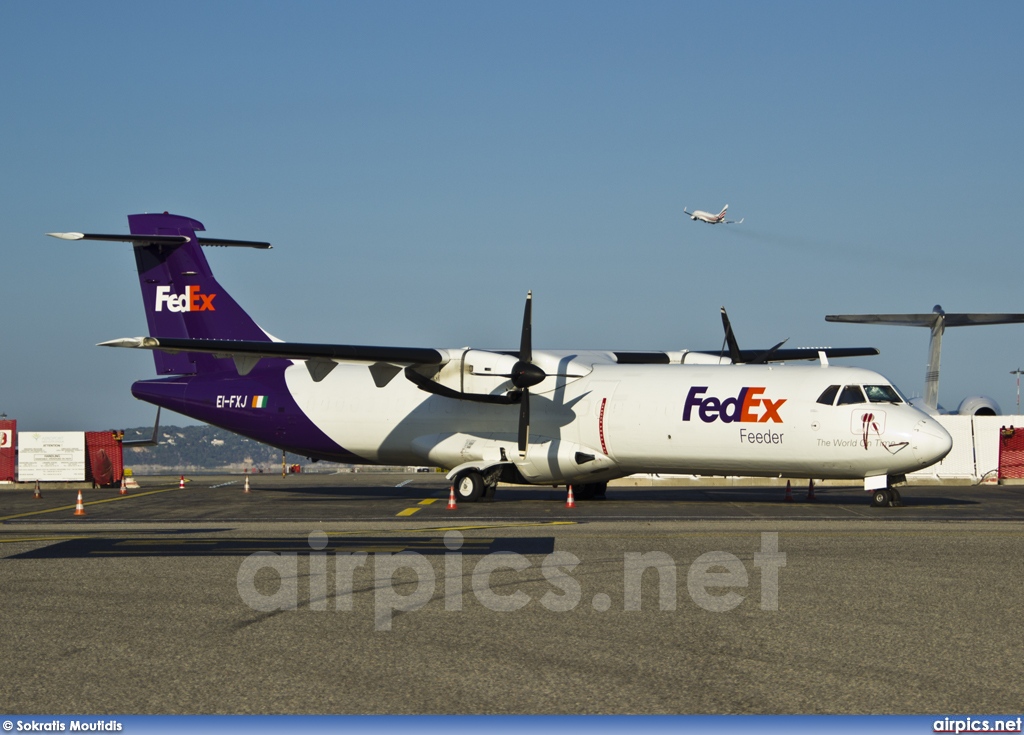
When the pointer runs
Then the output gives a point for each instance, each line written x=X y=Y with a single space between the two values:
x=763 y=358
x=526 y=342
x=730 y=339
x=524 y=423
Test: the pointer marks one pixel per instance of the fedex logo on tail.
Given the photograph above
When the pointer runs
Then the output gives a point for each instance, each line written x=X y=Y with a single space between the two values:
x=191 y=300
x=748 y=406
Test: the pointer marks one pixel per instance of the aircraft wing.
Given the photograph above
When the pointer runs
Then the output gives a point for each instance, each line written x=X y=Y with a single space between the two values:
x=810 y=353
x=287 y=350
x=367 y=354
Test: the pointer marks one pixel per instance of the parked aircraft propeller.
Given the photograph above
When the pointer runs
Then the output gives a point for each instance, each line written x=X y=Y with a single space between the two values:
x=736 y=355
x=524 y=374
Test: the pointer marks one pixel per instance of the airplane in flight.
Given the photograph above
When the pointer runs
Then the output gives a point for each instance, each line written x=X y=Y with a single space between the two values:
x=712 y=219
x=937 y=321
x=523 y=416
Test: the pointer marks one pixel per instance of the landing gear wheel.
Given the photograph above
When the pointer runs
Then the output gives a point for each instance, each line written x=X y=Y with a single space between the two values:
x=880 y=498
x=469 y=487
x=897 y=500
x=583 y=491
x=589 y=491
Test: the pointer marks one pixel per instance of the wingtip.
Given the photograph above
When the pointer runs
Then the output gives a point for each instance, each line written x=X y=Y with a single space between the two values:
x=67 y=235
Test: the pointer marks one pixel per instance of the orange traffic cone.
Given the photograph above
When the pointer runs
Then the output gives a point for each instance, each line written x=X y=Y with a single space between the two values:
x=37 y=495
x=80 y=506
x=246 y=485
x=181 y=483
x=451 y=499
x=570 y=502
x=124 y=487
x=810 y=491
x=789 y=493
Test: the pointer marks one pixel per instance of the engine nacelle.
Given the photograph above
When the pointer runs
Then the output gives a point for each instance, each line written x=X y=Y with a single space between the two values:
x=978 y=406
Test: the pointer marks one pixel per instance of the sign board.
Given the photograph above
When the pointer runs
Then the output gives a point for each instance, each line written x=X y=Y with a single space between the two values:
x=51 y=456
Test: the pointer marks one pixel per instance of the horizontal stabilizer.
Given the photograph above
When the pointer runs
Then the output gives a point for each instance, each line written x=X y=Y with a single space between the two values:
x=143 y=240
x=927 y=320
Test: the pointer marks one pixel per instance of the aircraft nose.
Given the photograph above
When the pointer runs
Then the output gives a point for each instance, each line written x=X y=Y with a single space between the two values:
x=931 y=442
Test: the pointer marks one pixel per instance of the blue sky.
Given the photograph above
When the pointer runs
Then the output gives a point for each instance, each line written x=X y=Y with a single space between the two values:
x=420 y=166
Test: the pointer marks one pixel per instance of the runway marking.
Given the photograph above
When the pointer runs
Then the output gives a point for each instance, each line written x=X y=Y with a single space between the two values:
x=410 y=511
x=403 y=484
x=91 y=502
x=224 y=484
x=428 y=501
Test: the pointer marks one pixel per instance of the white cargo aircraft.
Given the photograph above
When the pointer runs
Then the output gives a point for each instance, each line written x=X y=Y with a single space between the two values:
x=551 y=417
x=712 y=219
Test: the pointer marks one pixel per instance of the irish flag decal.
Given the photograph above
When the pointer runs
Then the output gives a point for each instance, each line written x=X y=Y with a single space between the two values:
x=259 y=401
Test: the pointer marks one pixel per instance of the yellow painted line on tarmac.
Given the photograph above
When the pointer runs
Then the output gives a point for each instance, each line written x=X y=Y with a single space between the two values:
x=485 y=527
x=410 y=511
x=91 y=502
x=428 y=501
x=42 y=538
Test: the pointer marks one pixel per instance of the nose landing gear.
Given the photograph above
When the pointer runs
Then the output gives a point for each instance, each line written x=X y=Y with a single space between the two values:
x=888 y=497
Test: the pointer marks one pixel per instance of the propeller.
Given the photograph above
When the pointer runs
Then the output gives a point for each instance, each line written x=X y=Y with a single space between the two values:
x=525 y=374
x=730 y=339
x=734 y=349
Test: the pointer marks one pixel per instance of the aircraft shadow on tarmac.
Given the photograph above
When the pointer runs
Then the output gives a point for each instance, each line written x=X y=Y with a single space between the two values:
x=823 y=496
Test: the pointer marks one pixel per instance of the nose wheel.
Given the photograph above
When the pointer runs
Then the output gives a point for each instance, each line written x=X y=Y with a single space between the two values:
x=886 y=498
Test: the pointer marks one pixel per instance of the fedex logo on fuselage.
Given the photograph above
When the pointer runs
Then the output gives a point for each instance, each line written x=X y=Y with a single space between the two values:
x=191 y=300
x=748 y=406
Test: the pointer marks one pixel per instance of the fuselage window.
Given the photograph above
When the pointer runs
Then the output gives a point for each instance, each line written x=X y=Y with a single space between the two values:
x=882 y=394
x=828 y=396
x=851 y=394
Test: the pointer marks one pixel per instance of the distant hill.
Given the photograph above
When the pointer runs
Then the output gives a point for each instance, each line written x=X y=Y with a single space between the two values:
x=203 y=448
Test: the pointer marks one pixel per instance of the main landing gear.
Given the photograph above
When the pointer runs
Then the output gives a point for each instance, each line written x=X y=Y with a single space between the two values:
x=590 y=491
x=472 y=485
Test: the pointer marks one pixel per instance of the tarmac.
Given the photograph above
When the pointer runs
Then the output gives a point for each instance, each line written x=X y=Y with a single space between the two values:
x=658 y=600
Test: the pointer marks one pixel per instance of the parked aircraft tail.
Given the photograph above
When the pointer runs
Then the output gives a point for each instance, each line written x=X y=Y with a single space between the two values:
x=181 y=297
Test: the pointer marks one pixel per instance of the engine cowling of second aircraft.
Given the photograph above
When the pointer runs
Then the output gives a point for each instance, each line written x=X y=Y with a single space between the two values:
x=978 y=406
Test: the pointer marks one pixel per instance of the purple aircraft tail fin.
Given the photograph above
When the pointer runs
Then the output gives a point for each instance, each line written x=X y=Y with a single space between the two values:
x=181 y=296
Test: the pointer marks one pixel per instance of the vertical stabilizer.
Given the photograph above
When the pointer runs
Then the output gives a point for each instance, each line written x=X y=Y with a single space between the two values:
x=931 y=375
x=182 y=298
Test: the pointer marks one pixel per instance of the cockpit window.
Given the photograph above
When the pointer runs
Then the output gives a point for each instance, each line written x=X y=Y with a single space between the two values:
x=851 y=394
x=882 y=394
x=828 y=396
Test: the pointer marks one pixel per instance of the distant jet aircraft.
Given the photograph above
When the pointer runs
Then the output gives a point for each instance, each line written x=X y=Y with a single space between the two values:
x=937 y=321
x=712 y=219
